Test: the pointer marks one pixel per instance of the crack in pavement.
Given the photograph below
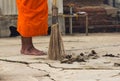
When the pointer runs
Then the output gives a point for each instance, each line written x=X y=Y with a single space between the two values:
x=14 y=61
x=48 y=73
x=27 y=64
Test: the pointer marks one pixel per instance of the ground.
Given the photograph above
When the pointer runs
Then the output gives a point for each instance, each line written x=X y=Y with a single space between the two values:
x=17 y=67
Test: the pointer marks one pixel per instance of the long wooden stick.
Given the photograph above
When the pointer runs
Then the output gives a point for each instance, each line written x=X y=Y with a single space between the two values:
x=55 y=2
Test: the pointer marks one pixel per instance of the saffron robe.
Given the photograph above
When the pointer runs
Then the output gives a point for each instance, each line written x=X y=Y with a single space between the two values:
x=32 y=17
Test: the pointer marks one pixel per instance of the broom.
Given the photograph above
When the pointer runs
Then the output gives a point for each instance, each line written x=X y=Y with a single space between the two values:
x=56 y=48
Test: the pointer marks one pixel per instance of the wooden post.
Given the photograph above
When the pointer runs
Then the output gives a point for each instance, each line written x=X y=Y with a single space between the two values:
x=86 y=24
x=70 y=21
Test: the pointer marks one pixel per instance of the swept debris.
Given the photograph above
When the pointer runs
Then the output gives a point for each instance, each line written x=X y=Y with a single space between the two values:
x=111 y=55
x=117 y=64
x=69 y=59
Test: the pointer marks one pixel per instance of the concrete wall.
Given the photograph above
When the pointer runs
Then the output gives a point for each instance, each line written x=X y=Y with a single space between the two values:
x=5 y=23
x=8 y=7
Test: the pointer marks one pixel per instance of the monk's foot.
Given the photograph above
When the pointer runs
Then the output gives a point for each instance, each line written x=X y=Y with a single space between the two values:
x=32 y=51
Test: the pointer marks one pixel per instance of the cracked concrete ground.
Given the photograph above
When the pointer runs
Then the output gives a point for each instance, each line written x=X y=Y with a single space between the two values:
x=17 y=67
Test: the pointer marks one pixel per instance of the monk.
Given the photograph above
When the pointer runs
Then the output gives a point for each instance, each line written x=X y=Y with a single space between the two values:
x=32 y=21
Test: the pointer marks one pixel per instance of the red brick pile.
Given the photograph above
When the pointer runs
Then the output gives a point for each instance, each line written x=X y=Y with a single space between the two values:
x=97 y=15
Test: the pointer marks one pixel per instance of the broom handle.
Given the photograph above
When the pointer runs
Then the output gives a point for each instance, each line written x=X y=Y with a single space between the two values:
x=54 y=12
x=55 y=2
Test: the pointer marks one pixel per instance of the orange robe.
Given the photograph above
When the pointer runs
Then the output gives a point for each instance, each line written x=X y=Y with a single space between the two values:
x=32 y=17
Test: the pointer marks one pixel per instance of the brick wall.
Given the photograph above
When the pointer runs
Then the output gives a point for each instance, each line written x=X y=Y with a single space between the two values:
x=83 y=2
x=97 y=14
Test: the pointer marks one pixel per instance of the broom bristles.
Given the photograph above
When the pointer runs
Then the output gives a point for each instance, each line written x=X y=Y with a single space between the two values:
x=56 y=48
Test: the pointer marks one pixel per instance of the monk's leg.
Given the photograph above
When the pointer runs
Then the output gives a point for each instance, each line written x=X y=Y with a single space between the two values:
x=28 y=48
